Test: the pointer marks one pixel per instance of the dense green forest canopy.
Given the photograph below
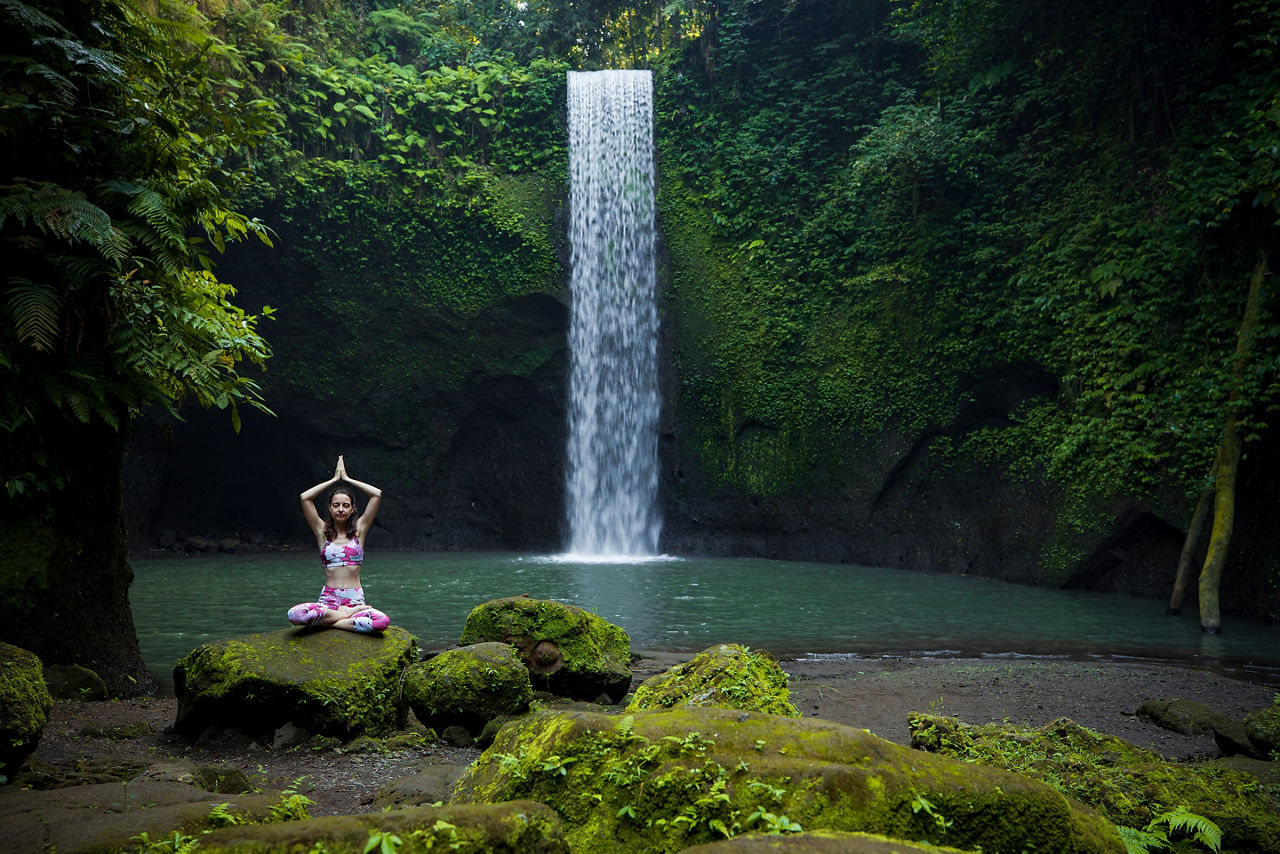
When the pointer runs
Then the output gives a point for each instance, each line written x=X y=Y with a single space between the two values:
x=867 y=208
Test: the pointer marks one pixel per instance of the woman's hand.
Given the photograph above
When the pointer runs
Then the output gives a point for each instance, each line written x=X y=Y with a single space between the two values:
x=340 y=472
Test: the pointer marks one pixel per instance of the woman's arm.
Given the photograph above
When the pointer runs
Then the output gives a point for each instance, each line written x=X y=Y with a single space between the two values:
x=308 y=499
x=371 y=508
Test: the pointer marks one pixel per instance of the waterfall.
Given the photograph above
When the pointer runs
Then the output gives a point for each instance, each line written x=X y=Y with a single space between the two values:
x=612 y=465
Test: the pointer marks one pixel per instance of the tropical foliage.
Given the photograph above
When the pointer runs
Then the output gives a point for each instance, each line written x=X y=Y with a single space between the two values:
x=129 y=131
x=879 y=206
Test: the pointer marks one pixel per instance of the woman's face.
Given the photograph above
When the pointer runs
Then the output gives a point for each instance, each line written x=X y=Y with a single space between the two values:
x=340 y=507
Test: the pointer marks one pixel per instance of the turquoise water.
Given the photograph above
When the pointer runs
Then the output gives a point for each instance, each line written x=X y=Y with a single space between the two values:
x=688 y=604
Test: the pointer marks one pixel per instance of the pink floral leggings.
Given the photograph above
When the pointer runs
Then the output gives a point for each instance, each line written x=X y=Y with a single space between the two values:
x=369 y=620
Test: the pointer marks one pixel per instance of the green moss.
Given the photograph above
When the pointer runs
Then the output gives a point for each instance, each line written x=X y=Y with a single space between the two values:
x=24 y=706
x=335 y=683
x=780 y=379
x=26 y=568
x=514 y=827
x=1127 y=784
x=664 y=780
x=411 y=274
x=728 y=676
x=1263 y=728
x=468 y=687
x=556 y=641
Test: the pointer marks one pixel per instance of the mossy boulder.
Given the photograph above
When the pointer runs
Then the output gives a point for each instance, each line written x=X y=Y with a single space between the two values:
x=74 y=682
x=1263 y=730
x=432 y=784
x=468 y=687
x=568 y=651
x=511 y=828
x=817 y=842
x=24 y=706
x=1127 y=784
x=728 y=676
x=329 y=682
x=108 y=816
x=663 y=780
x=1185 y=716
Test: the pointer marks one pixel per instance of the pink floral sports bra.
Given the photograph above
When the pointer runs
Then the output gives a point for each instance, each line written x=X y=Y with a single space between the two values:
x=350 y=553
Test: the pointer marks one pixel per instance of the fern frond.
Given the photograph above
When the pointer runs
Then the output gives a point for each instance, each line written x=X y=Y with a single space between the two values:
x=1201 y=829
x=77 y=53
x=84 y=268
x=31 y=19
x=79 y=406
x=62 y=85
x=35 y=308
x=153 y=208
x=154 y=251
x=54 y=388
x=66 y=214
x=1140 y=841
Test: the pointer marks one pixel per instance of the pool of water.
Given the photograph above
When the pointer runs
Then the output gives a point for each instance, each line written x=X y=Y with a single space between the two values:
x=688 y=604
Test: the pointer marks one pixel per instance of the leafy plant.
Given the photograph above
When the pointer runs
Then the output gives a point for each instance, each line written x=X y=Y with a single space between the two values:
x=382 y=842
x=1178 y=830
x=919 y=804
x=178 y=843
x=221 y=816
x=774 y=824
x=292 y=805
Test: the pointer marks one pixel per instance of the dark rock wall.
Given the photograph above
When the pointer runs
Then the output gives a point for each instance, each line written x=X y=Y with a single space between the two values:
x=471 y=455
x=457 y=416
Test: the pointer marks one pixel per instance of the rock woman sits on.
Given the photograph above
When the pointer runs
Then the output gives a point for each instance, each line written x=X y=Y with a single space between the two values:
x=341 y=539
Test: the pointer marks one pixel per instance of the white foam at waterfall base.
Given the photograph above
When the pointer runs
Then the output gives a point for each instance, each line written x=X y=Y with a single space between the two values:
x=612 y=455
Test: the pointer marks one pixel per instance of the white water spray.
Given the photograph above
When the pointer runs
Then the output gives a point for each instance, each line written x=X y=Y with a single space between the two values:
x=612 y=461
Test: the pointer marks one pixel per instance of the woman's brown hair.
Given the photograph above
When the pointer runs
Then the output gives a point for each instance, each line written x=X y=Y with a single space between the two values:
x=330 y=529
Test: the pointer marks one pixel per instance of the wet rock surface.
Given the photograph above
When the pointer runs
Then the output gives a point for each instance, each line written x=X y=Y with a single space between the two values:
x=874 y=693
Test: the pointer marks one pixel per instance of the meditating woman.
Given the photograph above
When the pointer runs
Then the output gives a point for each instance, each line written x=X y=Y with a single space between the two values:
x=341 y=539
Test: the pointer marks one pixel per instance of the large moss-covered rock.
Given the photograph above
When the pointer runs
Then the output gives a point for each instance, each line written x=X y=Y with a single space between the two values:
x=468 y=687
x=664 y=780
x=729 y=676
x=329 y=682
x=24 y=706
x=1126 y=783
x=512 y=828
x=569 y=651
x=1263 y=730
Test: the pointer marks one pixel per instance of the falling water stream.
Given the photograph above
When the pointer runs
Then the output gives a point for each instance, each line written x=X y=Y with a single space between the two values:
x=612 y=462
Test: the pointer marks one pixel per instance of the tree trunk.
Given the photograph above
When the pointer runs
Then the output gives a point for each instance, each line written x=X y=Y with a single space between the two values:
x=1224 y=502
x=71 y=602
x=1189 y=547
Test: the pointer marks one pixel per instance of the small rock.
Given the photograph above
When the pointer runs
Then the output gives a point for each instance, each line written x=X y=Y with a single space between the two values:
x=74 y=682
x=120 y=732
x=363 y=744
x=289 y=735
x=457 y=736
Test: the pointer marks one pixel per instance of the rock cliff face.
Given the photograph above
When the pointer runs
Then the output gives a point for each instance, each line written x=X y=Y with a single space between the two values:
x=460 y=418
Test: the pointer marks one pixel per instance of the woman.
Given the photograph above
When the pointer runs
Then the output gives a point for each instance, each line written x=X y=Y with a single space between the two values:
x=341 y=540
